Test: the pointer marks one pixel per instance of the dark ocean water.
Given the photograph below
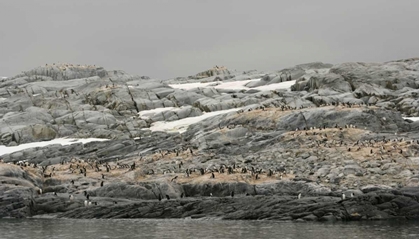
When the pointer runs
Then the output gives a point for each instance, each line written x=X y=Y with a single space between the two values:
x=193 y=228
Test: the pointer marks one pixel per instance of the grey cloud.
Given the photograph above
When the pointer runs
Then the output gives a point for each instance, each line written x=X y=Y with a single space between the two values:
x=166 y=39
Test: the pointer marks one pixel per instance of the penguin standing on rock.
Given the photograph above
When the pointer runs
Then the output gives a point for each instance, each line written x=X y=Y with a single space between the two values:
x=232 y=193
x=299 y=196
x=343 y=196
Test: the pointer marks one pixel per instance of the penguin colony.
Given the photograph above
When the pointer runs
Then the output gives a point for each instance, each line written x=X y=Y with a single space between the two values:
x=313 y=137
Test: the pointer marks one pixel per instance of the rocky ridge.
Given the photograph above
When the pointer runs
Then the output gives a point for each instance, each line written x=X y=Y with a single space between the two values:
x=339 y=130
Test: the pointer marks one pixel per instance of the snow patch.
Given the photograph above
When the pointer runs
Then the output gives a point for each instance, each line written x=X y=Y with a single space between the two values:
x=149 y=113
x=412 y=118
x=182 y=124
x=234 y=85
x=62 y=141
x=276 y=86
x=189 y=86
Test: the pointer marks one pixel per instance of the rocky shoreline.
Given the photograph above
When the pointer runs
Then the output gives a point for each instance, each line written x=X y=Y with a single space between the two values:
x=333 y=146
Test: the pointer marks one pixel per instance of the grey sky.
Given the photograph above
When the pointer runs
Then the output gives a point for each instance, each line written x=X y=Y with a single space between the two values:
x=166 y=39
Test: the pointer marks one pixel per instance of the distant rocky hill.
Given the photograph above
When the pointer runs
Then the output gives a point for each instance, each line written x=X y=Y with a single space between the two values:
x=87 y=101
x=317 y=129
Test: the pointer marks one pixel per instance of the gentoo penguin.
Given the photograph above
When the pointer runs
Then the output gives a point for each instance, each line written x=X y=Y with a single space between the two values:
x=160 y=197
x=167 y=197
x=343 y=196
x=40 y=191
x=351 y=195
x=72 y=182
x=174 y=178
x=299 y=196
x=55 y=194
x=71 y=197
x=90 y=203
x=102 y=183
x=87 y=196
x=182 y=195
x=86 y=203
x=103 y=176
x=212 y=175
x=232 y=194
x=211 y=194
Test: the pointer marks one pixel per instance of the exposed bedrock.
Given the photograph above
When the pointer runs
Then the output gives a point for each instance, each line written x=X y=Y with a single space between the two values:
x=221 y=143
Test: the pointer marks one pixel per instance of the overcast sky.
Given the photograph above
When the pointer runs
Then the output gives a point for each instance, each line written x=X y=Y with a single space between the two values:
x=166 y=39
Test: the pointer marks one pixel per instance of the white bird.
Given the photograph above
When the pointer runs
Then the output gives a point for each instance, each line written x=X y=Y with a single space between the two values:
x=299 y=195
x=343 y=196
x=86 y=203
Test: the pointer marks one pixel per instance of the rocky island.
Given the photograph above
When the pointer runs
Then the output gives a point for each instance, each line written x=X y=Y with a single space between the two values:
x=313 y=142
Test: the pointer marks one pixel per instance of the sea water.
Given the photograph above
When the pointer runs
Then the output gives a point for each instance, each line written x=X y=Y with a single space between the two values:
x=202 y=228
